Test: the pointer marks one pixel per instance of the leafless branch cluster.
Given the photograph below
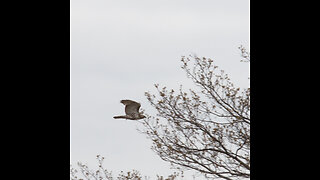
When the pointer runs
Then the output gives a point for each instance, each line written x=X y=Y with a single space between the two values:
x=208 y=130
x=103 y=174
x=245 y=54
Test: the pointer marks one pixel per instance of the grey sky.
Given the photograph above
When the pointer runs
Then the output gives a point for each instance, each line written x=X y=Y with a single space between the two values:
x=120 y=48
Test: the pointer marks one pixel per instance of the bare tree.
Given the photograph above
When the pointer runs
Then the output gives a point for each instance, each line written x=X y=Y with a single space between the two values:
x=103 y=174
x=207 y=130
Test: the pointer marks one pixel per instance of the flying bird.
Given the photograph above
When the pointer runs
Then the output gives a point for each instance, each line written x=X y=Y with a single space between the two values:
x=132 y=110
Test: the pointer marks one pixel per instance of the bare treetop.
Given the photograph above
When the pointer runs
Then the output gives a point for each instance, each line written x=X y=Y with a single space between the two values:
x=206 y=130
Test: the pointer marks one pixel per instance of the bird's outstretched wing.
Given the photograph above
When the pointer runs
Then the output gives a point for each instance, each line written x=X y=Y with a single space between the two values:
x=132 y=107
x=132 y=110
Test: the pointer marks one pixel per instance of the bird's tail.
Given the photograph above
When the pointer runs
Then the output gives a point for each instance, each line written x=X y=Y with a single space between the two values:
x=119 y=117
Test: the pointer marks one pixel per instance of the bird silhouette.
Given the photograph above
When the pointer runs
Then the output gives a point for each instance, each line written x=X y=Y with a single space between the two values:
x=132 y=110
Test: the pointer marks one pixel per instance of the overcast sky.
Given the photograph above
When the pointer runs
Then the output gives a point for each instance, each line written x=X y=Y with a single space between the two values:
x=121 y=48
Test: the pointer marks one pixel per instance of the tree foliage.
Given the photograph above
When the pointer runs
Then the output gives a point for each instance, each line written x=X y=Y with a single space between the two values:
x=103 y=174
x=207 y=129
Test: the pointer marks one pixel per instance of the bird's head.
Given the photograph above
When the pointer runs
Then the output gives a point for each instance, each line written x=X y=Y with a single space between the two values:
x=142 y=116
